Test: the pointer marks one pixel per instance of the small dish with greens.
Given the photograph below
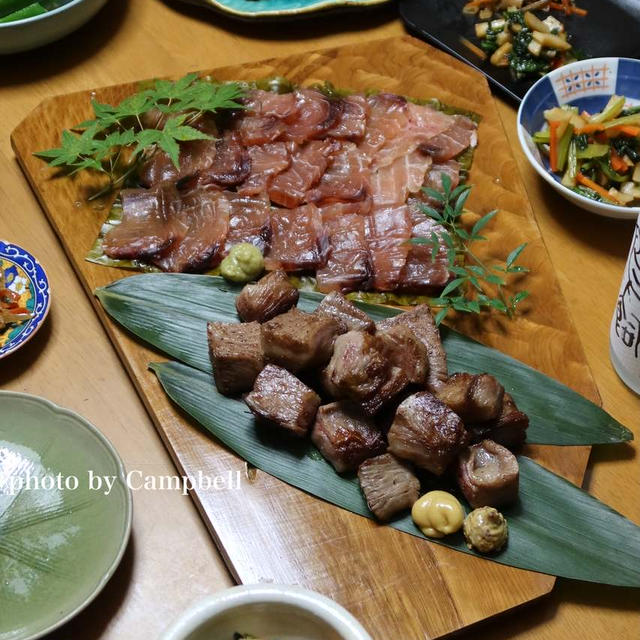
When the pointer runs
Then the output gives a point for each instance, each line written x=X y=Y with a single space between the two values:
x=580 y=129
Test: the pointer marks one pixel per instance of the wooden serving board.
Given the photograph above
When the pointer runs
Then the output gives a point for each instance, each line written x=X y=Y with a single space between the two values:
x=397 y=585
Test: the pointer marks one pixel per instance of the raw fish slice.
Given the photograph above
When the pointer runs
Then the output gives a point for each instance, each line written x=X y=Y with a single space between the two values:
x=422 y=274
x=308 y=163
x=433 y=179
x=249 y=220
x=347 y=180
x=266 y=161
x=254 y=130
x=269 y=103
x=338 y=209
x=389 y=233
x=315 y=114
x=298 y=239
x=195 y=157
x=231 y=164
x=391 y=184
x=263 y=119
x=147 y=225
x=352 y=120
x=348 y=266
x=388 y=117
x=459 y=136
x=204 y=222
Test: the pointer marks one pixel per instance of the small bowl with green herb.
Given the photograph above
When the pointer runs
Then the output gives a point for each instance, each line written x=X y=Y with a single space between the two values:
x=27 y=24
x=579 y=127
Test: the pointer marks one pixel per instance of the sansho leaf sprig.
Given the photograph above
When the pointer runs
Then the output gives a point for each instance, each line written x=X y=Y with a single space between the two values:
x=99 y=144
x=476 y=285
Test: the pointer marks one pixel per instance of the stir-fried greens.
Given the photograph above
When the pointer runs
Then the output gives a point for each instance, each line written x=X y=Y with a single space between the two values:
x=598 y=155
x=513 y=36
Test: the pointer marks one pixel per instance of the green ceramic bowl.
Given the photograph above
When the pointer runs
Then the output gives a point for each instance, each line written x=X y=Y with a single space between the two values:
x=61 y=539
x=273 y=9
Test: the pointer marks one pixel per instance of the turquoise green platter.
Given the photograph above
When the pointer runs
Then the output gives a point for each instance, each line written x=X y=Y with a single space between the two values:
x=273 y=9
x=60 y=540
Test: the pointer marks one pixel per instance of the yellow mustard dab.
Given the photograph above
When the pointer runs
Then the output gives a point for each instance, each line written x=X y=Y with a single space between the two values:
x=437 y=514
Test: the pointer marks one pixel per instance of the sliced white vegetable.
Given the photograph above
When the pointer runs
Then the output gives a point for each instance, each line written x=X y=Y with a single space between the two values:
x=551 y=41
x=499 y=56
x=481 y=29
x=534 y=23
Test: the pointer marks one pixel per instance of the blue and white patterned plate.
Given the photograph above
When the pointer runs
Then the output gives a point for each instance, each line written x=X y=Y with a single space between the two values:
x=25 y=276
x=588 y=85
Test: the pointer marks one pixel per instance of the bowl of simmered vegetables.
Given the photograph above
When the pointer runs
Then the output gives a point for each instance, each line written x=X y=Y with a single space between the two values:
x=579 y=127
x=27 y=24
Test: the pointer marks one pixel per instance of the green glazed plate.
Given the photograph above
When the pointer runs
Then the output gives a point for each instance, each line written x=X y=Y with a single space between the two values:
x=273 y=9
x=60 y=539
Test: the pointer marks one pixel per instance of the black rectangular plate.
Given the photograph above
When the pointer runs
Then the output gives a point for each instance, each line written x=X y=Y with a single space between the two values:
x=611 y=28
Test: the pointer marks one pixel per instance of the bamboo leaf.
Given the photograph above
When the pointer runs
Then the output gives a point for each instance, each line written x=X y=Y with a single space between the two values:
x=555 y=527
x=170 y=312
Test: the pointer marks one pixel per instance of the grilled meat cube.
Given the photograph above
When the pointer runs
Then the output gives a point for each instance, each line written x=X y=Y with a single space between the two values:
x=344 y=438
x=272 y=295
x=508 y=429
x=475 y=398
x=335 y=305
x=388 y=485
x=297 y=340
x=488 y=475
x=359 y=372
x=426 y=432
x=236 y=355
x=280 y=399
x=421 y=322
x=403 y=348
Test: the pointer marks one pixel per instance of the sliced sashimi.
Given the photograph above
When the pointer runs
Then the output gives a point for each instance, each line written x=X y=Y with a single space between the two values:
x=249 y=220
x=262 y=120
x=391 y=184
x=388 y=117
x=270 y=103
x=347 y=180
x=388 y=235
x=421 y=273
x=308 y=164
x=433 y=180
x=230 y=165
x=298 y=239
x=351 y=122
x=267 y=161
x=348 y=266
x=315 y=114
x=204 y=222
x=147 y=226
x=461 y=134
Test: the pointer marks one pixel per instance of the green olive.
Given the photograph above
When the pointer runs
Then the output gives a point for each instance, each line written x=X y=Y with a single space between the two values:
x=243 y=264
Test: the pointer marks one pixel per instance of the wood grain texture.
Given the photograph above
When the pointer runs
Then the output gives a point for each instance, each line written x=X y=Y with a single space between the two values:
x=269 y=531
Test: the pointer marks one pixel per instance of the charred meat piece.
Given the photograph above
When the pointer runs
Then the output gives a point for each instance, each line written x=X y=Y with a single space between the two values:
x=344 y=438
x=488 y=475
x=359 y=372
x=388 y=485
x=279 y=398
x=272 y=295
x=403 y=348
x=426 y=432
x=421 y=322
x=297 y=340
x=236 y=355
x=475 y=398
x=509 y=429
x=335 y=305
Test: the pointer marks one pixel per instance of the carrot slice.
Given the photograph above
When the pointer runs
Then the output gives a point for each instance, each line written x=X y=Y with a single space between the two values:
x=617 y=163
x=625 y=130
x=579 y=12
x=590 y=128
x=583 y=180
x=553 y=145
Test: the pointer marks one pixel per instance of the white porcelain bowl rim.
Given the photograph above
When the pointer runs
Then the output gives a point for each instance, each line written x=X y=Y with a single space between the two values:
x=324 y=608
x=42 y=16
x=601 y=208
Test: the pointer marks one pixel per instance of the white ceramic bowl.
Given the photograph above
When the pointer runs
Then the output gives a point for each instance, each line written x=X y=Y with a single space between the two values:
x=587 y=84
x=267 y=611
x=30 y=33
